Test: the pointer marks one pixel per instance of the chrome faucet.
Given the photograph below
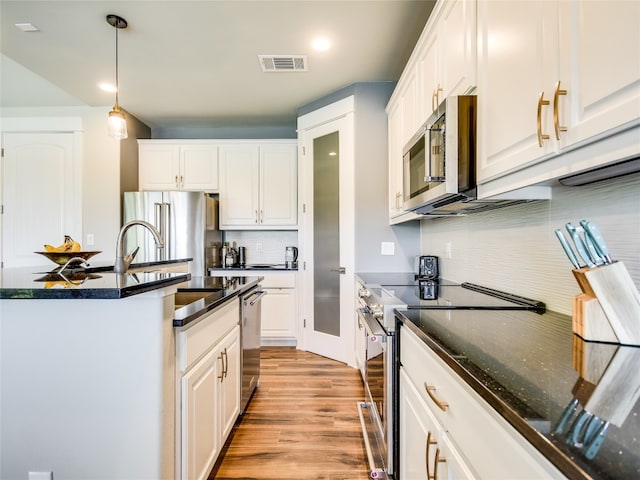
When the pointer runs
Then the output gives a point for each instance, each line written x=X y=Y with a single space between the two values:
x=122 y=262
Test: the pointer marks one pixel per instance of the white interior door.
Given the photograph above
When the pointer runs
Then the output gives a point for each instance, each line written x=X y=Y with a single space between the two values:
x=327 y=233
x=40 y=195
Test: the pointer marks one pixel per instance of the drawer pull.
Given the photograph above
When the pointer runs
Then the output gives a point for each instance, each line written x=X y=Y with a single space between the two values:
x=441 y=405
x=430 y=441
x=438 y=459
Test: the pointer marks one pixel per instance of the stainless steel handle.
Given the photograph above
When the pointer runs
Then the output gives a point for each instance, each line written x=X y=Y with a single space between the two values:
x=340 y=270
x=256 y=216
x=176 y=182
x=377 y=473
x=261 y=216
x=165 y=231
x=556 y=120
x=442 y=405
x=225 y=369
x=258 y=295
x=541 y=136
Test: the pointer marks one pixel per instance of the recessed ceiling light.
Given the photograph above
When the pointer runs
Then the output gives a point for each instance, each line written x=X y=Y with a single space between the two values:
x=321 y=44
x=27 y=27
x=107 y=87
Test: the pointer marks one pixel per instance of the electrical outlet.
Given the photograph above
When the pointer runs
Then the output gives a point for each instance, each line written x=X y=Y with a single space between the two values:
x=40 y=475
x=447 y=250
x=90 y=239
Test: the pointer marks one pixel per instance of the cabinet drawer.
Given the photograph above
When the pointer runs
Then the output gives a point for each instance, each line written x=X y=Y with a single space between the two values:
x=279 y=280
x=492 y=446
x=195 y=340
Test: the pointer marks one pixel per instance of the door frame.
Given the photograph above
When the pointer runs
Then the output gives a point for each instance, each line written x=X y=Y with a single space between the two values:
x=338 y=116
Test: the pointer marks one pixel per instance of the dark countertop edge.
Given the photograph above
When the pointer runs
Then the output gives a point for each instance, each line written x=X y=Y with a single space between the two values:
x=542 y=444
x=251 y=269
x=212 y=303
x=158 y=263
x=91 y=293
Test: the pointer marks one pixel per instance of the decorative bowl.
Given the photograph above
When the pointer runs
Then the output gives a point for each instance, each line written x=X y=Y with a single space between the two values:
x=63 y=257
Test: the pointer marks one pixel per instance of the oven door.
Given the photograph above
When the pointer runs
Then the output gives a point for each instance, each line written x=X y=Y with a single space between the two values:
x=373 y=411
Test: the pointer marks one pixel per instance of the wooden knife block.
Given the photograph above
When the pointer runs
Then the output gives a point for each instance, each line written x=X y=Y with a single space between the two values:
x=608 y=310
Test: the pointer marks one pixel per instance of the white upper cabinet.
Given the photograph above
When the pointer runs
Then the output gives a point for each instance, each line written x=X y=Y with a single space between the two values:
x=447 y=54
x=177 y=166
x=258 y=187
x=442 y=63
x=554 y=77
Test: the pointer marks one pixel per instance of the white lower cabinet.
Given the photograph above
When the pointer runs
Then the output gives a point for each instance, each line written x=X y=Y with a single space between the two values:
x=279 y=307
x=471 y=439
x=426 y=453
x=208 y=353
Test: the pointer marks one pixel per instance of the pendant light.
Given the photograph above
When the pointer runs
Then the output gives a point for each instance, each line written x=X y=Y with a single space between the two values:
x=117 y=123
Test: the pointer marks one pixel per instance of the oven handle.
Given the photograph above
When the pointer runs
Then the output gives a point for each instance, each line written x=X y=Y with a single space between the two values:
x=371 y=325
x=375 y=472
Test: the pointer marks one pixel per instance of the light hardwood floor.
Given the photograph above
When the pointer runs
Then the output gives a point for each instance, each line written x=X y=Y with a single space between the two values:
x=302 y=422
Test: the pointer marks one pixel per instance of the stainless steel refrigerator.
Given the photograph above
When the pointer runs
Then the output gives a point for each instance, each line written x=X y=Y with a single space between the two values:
x=187 y=222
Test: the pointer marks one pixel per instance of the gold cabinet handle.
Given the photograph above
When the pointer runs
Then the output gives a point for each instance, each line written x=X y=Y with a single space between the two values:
x=556 y=120
x=435 y=98
x=256 y=216
x=177 y=184
x=221 y=376
x=541 y=136
x=441 y=404
x=261 y=216
x=430 y=441
x=226 y=363
x=398 y=197
x=438 y=459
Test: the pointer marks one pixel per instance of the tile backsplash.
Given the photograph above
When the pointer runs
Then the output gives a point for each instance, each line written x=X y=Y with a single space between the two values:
x=515 y=249
x=263 y=246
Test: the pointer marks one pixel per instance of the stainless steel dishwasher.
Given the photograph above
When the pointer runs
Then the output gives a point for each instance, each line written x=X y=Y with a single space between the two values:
x=250 y=313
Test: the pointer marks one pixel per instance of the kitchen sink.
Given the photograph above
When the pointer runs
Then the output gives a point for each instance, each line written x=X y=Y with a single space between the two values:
x=185 y=298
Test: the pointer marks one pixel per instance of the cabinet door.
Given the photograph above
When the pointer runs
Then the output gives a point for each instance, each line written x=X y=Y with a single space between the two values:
x=279 y=313
x=395 y=160
x=514 y=67
x=199 y=410
x=278 y=185
x=229 y=382
x=600 y=67
x=199 y=168
x=429 y=65
x=239 y=185
x=457 y=46
x=158 y=167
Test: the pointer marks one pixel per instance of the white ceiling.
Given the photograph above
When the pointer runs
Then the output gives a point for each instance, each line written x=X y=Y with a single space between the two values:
x=195 y=63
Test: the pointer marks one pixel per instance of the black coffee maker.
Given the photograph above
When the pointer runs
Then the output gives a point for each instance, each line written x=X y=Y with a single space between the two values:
x=428 y=277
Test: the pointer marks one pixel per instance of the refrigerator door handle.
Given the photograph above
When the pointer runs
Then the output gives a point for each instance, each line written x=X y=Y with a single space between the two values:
x=165 y=231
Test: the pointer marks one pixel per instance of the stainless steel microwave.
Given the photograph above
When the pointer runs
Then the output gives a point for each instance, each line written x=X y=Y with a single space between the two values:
x=439 y=162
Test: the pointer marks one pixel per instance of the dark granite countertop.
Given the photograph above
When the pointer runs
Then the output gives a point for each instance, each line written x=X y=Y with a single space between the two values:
x=531 y=369
x=98 y=282
x=222 y=288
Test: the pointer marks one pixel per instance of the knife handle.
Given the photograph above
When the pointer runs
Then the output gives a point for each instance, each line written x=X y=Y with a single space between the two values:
x=581 y=248
x=567 y=249
x=593 y=231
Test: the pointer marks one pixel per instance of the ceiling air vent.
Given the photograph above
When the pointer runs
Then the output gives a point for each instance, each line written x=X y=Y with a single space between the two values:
x=283 y=63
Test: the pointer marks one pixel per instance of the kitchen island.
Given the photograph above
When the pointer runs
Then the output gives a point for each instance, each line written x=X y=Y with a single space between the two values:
x=89 y=384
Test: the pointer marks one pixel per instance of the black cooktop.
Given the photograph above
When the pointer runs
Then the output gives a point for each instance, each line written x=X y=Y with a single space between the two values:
x=420 y=293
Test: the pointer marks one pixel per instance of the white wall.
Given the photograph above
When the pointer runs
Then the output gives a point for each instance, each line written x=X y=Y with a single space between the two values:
x=515 y=248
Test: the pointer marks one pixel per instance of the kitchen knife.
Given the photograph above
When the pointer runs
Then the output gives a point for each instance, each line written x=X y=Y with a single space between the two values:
x=567 y=414
x=593 y=232
x=596 y=442
x=567 y=248
x=579 y=243
x=591 y=248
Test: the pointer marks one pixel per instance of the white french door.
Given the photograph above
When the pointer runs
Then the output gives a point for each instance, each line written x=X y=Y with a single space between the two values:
x=327 y=231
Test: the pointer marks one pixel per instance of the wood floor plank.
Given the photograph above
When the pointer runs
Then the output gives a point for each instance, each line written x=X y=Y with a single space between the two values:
x=302 y=423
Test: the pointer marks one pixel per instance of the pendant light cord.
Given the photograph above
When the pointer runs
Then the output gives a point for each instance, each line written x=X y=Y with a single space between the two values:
x=117 y=83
